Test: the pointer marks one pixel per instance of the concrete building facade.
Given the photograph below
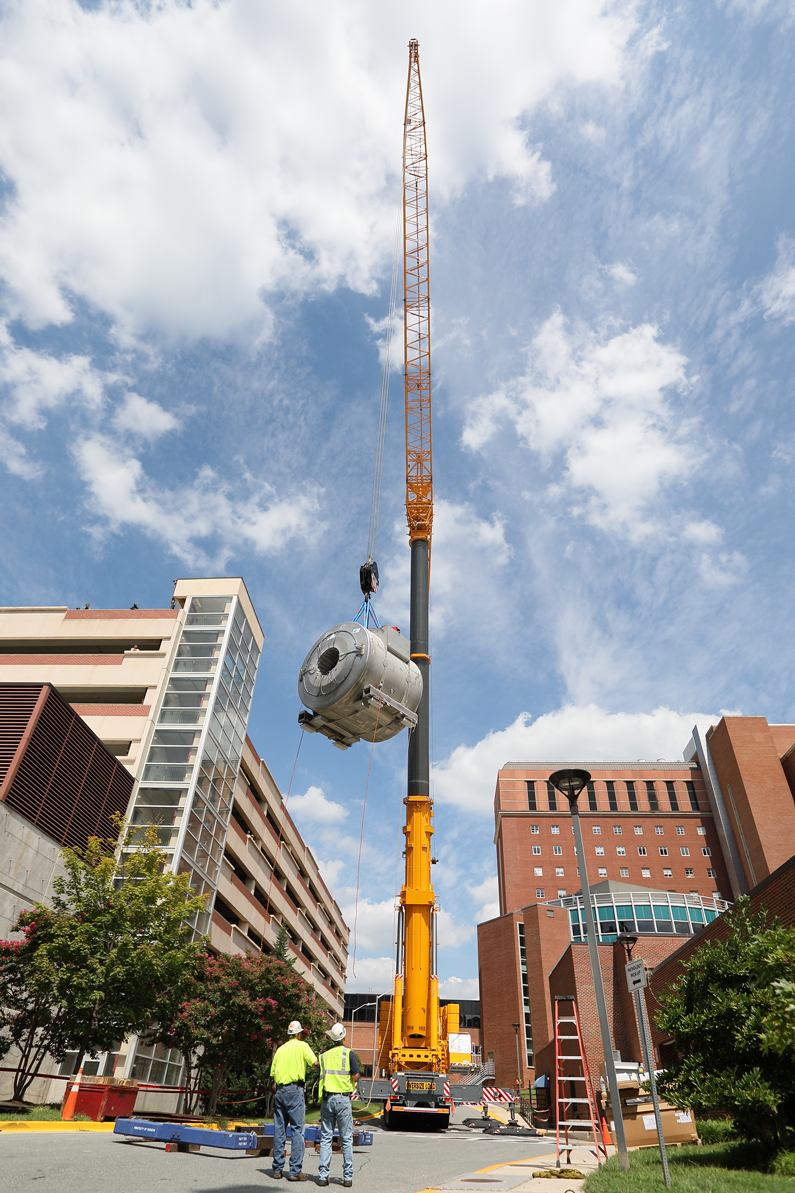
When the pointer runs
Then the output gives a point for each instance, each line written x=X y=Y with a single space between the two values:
x=168 y=692
x=669 y=846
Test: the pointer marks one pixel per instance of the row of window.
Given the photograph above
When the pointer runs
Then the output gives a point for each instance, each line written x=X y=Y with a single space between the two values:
x=599 y=850
x=535 y=791
x=538 y=872
x=618 y=830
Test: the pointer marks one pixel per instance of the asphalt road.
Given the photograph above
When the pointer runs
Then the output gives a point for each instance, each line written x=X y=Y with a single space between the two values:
x=397 y=1162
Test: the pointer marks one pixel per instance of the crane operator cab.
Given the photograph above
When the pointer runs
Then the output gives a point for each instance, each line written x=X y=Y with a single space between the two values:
x=358 y=682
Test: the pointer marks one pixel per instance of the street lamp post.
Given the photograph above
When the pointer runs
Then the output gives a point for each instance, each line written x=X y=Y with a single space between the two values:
x=570 y=783
x=629 y=941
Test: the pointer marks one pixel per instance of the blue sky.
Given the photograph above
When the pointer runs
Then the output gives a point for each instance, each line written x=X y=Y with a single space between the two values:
x=199 y=205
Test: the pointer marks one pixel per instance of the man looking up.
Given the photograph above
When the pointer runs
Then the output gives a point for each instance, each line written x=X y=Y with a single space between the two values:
x=288 y=1070
x=338 y=1068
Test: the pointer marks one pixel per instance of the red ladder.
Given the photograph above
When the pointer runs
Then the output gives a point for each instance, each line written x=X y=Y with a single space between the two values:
x=564 y=1102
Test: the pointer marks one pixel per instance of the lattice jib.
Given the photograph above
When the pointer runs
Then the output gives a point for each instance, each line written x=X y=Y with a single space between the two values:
x=416 y=295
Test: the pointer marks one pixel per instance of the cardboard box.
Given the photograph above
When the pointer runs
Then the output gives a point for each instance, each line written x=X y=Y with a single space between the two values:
x=640 y=1127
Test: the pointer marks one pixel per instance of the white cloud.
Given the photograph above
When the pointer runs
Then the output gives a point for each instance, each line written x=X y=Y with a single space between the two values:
x=459 y=988
x=702 y=531
x=468 y=777
x=724 y=570
x=142 y=417
x=374 y=974
x=37 y=382
x=170 y=163
x=206 y=511
x=777 y=291
x=375 y=924
x=599 y=404
x=14 y=456
x=452 y=934
x=622 y=273
x=314 y=808
x=489 y=893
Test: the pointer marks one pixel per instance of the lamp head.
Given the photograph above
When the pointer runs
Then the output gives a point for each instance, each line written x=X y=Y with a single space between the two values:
x=629 y=940
x=570 y=783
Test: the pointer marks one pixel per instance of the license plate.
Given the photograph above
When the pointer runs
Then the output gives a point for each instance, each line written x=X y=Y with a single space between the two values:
x=420 y=1085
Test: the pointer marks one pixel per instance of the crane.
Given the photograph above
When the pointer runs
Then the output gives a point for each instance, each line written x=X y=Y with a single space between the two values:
x=414 y=1035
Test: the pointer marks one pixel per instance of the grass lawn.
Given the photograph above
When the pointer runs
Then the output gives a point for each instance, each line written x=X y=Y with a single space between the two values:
x=40 y=1114
x=713 y=1168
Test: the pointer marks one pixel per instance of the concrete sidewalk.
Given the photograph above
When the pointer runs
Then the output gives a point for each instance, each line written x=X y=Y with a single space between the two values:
x=520 y=1176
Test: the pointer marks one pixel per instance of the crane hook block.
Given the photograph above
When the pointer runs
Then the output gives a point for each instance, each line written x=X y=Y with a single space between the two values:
x=368 y=577
x=359 y=683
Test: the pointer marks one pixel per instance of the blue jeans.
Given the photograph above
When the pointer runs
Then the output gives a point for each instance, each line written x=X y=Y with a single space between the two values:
x=288 y=1107
x=336 y=1110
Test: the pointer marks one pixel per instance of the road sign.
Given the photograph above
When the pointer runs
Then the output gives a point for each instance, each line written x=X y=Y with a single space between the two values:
x=636 y=975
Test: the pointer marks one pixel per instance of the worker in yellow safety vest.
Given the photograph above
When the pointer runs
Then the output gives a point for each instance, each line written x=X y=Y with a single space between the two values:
x=288 y=1070
x=338 y=1072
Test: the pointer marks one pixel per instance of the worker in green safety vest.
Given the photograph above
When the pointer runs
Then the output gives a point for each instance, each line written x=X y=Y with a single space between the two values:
x=288 y=1070
x=338 y=1072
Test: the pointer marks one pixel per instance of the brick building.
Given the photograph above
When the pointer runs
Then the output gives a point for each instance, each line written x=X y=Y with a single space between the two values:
x=669 y=846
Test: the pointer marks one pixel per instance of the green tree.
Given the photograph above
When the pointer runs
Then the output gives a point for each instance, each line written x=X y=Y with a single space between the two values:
x=281 y=950
x=718 y=1013
x=94 y=968
x=239 y=1015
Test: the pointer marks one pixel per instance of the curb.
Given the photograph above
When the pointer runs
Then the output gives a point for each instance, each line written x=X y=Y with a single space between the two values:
x=55 y=1125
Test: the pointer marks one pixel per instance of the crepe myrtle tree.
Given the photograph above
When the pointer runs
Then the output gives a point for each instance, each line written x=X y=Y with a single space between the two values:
x=95 y=967
x=235 y=1018
x=730 y=1016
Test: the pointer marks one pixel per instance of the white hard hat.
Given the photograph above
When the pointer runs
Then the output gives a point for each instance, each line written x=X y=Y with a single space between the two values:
x=295 y=1028
x=336 y=1033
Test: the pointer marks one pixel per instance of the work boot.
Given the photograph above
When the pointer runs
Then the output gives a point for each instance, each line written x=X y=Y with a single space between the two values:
x=323 y=1180
x=277 y=1175
x=347 y=1184
x=299 y=1176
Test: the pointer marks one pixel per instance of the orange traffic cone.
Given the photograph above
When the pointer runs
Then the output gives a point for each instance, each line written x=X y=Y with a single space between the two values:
x=69 y=1105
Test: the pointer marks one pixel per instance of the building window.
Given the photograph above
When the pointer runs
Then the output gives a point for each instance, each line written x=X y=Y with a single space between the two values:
x=690 y=874
x=641 y=851
x=659 y=830
x=538 y=871
x=621 y=851
x=528 y=1031
x=706 y=851
x=600 y=850
x=691 y=791
x=611 y=795
x=602 y=872
x=684 y=850
x=534 y=829
x=663 y=851
x=638 y=830
x=552 y=797
x=633 y=799
x=558 y=871
x=540 y=892
x=680 y=830
x=645 y=873
x=712 y=874
x=672 y=800
x=624 y=872
x=591 y=798
x=537 y=850
x=561 y=893
x=555 y=830
x=557 y=850
x=651 y=792
x=596 y=829
x=617 y=830
x=531 y=795
x=717 y=895
x=668 y=873
x=702 y=832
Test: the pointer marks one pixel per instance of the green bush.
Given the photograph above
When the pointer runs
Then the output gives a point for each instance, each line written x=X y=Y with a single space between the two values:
x=716 y=1130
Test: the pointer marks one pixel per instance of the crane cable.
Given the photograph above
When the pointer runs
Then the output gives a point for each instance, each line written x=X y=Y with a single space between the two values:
x=375 y=503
